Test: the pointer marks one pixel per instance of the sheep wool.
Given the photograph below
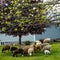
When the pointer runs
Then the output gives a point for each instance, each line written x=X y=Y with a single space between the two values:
x=46 y=52
x=47 y=40
x=30 y=51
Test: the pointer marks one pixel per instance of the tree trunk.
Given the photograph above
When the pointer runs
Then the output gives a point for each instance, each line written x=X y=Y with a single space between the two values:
x=19 y=40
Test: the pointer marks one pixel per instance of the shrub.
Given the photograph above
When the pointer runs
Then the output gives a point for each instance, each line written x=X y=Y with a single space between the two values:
x=27 y=42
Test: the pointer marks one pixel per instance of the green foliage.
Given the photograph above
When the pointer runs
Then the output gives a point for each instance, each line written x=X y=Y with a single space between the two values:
x=17 y=16
x=3 y=29
x=27 y=42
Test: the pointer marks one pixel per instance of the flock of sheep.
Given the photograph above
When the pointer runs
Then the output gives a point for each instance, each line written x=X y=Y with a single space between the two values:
x=43 y=46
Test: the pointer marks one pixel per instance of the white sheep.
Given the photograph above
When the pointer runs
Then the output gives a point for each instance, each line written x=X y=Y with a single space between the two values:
x=47 y=47
x=37 y=42
x=29 y=49
x=45 y=44
x=38 y=45
x=47 y=40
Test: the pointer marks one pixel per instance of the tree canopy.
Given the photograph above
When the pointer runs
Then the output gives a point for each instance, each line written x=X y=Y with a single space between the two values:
x=20 y=17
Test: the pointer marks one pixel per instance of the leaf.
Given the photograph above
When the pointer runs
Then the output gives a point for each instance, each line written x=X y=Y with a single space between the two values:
x=4 y=29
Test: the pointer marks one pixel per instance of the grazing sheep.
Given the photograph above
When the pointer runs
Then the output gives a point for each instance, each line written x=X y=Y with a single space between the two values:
x=46 y=52
x=25 y=48
x=47 y=47
x=6 y=47
x=13 y=49
x=18 y=51
x=38 y=45
x=29 y=49
x=38 y=42
x=47 y=40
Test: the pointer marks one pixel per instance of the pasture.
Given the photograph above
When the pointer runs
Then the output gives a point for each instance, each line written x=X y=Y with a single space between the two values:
x=55 y=54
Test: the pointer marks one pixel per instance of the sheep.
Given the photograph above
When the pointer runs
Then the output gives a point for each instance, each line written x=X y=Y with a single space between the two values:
x=6 y=47
x=34 y=46
x=47 y=47
x=47 y=40
x=38 y=42
x=44 y=44
x=38 y=45
x=18 y=51
x=13 y=49
x=28 y=50
x=25 y=48
x=41 y=40
x=31 y=49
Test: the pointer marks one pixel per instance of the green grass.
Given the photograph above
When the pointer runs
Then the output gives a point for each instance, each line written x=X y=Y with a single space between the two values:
x=55 y=55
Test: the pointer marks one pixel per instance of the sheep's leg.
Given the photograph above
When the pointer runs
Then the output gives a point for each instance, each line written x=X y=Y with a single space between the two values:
x=14 y=54
x=2 y=50
x=30 y=54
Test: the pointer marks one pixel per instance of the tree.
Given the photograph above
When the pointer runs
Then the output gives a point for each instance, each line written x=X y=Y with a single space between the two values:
x=21 y=17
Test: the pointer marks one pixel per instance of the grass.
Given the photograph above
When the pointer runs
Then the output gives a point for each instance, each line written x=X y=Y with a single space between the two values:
x=55 y=54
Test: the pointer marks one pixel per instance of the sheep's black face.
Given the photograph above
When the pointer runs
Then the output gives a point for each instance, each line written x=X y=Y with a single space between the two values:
x=6 y=48
x=13 y=48
x=18 y=51
x=21 y=51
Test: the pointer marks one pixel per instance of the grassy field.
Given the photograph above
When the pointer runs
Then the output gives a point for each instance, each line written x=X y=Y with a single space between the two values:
x=55 y=55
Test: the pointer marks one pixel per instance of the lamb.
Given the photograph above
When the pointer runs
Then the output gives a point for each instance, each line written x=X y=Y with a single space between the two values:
x=18 y=51
x=37 y=42
x=25 y=48
x=29 y=49
x=38 y=45
x=13 y=49
x=6 y=47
